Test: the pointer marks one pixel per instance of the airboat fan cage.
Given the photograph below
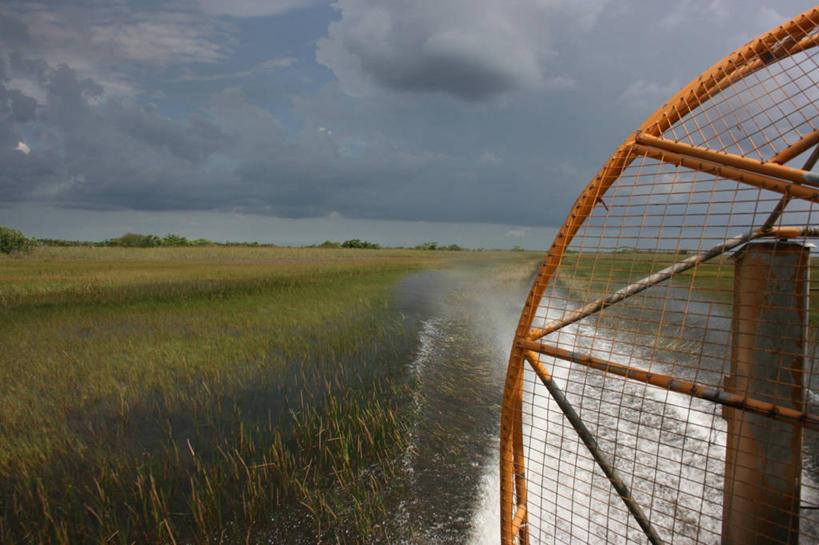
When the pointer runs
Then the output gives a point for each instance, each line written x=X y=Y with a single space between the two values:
x=663 y=384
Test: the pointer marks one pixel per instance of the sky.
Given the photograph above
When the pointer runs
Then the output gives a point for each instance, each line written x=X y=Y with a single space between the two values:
x=470 y=122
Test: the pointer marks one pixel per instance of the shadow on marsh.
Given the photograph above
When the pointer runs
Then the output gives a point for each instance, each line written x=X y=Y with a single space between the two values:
x=348 y=438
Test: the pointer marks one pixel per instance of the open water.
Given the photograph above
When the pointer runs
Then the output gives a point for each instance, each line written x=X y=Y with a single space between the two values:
x=670 y=447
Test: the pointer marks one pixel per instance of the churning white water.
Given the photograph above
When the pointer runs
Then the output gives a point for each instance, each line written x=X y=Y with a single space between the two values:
x=668 y=447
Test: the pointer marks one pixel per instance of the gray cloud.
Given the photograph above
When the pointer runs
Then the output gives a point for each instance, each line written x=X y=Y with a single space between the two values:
x=102 y=154
x=474 y=135
x=116 y=154
x=253 y=8
x=13 y=33
x=472 y=49
x=173 y=38
x=113 y=42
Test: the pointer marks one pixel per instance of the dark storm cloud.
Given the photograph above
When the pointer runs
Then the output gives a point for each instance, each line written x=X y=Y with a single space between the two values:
x=372 y=159
x=15 y=107
x=13 y=33
x=108 y=153
x=440 y=71
x=193 y=140
x=506 y=109
x=97 y=153
x=471 y=49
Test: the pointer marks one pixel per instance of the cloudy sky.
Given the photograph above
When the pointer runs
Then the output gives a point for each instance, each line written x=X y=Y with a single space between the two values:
x=474 y=122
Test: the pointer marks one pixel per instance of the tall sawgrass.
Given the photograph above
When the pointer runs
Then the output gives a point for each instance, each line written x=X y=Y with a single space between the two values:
x=198 y=401
x=204 y=395
x=306 y=449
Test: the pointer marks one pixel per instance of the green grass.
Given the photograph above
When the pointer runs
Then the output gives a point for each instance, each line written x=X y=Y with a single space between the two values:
x=606 y=271
x=175 y=395
x=590 y=275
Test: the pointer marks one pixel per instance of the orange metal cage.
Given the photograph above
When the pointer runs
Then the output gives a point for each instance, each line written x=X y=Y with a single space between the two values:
x=663 y=384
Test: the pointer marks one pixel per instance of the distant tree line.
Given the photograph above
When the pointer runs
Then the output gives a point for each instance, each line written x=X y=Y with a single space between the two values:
x=436 y=246
x=357 y=243
x=12 y=240
x=137 y=240
x=352 y=243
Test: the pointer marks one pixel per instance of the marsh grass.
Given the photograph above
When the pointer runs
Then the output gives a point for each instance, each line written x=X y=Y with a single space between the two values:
x=590 y=275
x=201 y=395
x=461 y=370
x=595 y=272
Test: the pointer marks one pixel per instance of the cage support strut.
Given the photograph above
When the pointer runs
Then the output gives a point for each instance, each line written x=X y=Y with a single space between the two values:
x=774 y=170
x=776 y=213
x=673 y=384
x=771 y=183
x=591 y=444
x=668 y=272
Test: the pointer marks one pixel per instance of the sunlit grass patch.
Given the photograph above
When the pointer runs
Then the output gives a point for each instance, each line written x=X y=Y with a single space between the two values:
x=111 y=366
x=591 y=275
x=202 y=394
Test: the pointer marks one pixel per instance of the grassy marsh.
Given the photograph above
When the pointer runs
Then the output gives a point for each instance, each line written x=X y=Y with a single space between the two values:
x=601 y=273
x=203 y=395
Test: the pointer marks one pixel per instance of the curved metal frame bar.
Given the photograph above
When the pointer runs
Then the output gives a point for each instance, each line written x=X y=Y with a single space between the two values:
x=787 y=39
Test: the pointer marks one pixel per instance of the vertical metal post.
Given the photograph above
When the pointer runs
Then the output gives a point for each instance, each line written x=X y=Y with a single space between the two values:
x=763 y=463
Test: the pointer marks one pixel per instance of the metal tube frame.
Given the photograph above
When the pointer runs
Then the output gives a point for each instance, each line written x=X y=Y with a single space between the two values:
x=591 y=444
x=672 y=384
x=663 y=275
x=792 y=36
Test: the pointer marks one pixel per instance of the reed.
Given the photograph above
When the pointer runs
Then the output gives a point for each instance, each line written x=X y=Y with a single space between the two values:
x=203 y=395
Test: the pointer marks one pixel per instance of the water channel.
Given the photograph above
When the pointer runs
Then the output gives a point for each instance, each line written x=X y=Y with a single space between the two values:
x=450 y=495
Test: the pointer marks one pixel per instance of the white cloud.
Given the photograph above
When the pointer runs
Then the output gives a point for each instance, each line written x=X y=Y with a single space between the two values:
x=253 y=8
x=517 y=232
x=267 y=66
x=473 y=49
x=643 y=93
x=21 y=146
x=159 y=42
x=490 y=159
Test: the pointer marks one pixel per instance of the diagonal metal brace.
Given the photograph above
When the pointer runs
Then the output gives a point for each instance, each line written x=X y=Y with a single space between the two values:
x=591 y=444
x=672 y=384
x=668 y=272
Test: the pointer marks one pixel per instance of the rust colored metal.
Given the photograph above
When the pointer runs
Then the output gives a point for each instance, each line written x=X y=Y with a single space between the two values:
x=672 y=384
x=703 y=176
x=665 y=274
x=763 y=465
x=772 y=170
x=776 y=213
x=743 y=62
x=511 y=422
x=769 y=183
x=588 y=439
x=520 y=518
x=797 y=148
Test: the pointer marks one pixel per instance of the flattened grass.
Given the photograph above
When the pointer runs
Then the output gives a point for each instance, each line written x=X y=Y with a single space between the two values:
x=172 y=395
x=138 y=387
x=592 y=275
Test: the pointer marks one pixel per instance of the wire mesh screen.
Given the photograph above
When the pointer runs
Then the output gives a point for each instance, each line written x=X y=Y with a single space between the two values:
x=663 y=384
